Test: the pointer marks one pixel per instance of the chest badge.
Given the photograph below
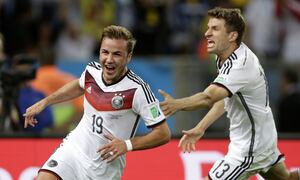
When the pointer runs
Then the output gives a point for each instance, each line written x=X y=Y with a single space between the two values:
x=117 y=101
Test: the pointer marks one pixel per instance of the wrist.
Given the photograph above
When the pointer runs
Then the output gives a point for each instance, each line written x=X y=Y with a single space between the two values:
x=201 y=129
x=128 y=145
x=181 y=105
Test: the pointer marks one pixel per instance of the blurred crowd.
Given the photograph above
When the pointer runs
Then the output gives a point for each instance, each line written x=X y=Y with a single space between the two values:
x=69 y=30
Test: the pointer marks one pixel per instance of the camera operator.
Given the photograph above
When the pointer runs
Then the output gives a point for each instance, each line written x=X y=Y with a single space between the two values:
x=17 y=94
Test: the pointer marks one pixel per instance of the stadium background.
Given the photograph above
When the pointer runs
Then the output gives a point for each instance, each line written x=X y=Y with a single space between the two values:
x=169 y=56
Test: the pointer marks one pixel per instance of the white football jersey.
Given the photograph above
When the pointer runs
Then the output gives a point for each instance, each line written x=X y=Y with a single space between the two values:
x=252 y=127
x=111 y=109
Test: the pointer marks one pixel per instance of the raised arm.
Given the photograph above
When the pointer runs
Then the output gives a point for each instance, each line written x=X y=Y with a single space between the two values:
x=65 y=93
x=205 y=99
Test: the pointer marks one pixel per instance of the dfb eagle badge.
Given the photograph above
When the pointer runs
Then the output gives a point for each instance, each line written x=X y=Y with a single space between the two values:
x=117 y=101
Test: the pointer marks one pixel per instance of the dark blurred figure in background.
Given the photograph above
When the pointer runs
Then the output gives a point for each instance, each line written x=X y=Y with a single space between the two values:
x=26 y=67
x=17 y=94
x=151 y=26
x=18 y=26
x=2 y=54
x=288 y=110
x=15 y=90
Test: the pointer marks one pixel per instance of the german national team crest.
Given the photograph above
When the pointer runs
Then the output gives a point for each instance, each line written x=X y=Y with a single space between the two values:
x=117 y=101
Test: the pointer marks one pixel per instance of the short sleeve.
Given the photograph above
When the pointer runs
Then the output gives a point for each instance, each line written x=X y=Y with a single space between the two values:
x=147 y=106
x=82 y=79
x=232 y=77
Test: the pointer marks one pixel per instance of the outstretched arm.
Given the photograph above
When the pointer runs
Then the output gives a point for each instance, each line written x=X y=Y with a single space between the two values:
x=65 y=93
x=159 y=135
x=191 y=136
x=205 y=99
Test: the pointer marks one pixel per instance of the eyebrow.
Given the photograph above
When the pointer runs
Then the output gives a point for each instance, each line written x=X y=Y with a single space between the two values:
x=114 y=52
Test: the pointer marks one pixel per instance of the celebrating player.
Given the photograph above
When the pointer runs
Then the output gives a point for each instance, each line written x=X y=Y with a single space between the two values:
x=240 y=89
x=114 y=99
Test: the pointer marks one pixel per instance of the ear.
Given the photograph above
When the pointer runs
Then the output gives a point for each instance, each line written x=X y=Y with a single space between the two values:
x=233 y=36
x=129 y=57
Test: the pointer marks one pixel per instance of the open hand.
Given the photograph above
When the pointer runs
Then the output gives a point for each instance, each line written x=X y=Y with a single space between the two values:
x=189 y=139
x=168 y=106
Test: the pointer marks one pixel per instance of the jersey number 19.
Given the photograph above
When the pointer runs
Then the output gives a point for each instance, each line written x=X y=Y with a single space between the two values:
x=97 y=124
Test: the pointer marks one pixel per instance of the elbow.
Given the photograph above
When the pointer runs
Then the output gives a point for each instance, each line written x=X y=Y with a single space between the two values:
x=167 y=136
x=208 y=101
x=162 y=133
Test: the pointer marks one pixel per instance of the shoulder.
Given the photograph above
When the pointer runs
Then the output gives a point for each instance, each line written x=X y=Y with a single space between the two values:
x=241 y=58
x=142 y=87
x=134 y=78
x=93 y=68
x=94 y=65
x=245 y=55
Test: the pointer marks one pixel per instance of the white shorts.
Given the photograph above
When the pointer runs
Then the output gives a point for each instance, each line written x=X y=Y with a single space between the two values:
x=68 y=164
x=232 y=169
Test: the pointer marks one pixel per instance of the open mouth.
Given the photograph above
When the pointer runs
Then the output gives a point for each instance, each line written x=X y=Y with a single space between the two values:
x=110 y=69
x=210 y=43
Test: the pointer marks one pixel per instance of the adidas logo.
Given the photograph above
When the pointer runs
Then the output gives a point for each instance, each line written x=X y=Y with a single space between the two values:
x=89 y=89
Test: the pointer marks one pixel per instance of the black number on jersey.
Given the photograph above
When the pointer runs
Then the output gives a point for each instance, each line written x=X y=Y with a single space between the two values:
x=221 y=171
x=97 y=124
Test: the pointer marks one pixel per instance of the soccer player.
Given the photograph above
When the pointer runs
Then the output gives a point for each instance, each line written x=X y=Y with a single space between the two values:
x=114 y=98
x=240 y=89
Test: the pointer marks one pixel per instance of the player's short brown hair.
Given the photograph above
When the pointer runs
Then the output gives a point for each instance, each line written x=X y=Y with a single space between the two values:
x=234 y=21
x=119 y=32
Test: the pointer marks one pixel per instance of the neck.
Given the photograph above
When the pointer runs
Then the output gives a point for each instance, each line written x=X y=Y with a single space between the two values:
x=117 y=79
x=224 y=55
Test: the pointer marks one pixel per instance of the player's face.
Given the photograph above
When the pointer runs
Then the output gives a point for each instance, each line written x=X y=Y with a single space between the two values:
x=217 y=37
x=113 y=59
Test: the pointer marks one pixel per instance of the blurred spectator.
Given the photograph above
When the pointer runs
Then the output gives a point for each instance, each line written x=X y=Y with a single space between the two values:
x=288 y=111
x=46 y=38
x=73 y=45
x=18 y=26
x=288 y=12
x=263 y=27
x=2 y=59
x=125 y=13
x=15 y=90
x=241 y=4
x=96 y=15
x=151 y=27
x=185 y=22
x=48 y=79
x=25 y=90
x=2 y=54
